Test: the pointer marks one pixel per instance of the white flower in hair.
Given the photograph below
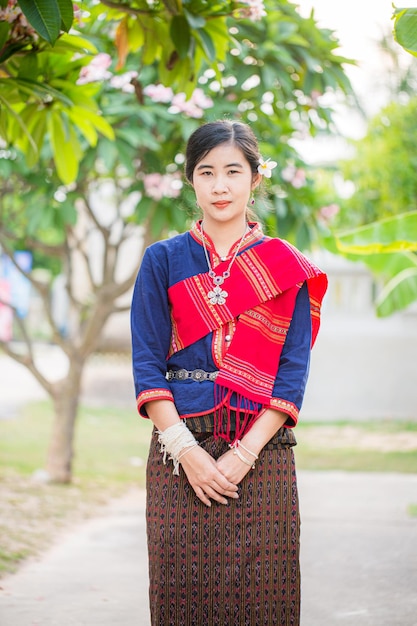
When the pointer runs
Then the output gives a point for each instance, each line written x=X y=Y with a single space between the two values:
x=265 y=167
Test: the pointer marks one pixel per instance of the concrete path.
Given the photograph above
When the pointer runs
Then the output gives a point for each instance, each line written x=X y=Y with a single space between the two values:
x=359 y=561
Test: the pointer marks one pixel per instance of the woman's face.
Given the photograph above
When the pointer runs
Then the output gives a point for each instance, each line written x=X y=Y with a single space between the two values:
x=223 y=182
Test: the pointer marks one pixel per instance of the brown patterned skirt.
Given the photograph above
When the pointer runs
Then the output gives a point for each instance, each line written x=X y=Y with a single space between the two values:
x=234 y=565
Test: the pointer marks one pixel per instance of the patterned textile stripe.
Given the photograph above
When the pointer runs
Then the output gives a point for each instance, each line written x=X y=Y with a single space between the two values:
x=258 y=274
x=154 y=394
x=246 y=376
x=310 y=269
x=234 y=565
x=259 y=319
x=287 y=407
x=176 y=343
x=315 y=308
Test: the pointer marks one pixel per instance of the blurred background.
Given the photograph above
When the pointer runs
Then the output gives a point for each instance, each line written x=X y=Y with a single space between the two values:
x=97 y=100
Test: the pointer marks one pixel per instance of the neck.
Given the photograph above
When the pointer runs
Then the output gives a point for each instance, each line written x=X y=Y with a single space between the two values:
x=224 y=237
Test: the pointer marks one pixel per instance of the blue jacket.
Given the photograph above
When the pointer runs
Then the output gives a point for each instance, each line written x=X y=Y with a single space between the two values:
x=166 y=263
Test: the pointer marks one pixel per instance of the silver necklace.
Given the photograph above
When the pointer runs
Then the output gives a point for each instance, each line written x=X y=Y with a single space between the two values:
x=217 y=295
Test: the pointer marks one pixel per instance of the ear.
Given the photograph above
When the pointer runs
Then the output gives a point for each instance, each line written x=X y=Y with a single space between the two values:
x=256 y=179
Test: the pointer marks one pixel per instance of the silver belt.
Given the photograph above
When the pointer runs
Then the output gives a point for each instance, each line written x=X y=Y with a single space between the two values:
x=198 y=375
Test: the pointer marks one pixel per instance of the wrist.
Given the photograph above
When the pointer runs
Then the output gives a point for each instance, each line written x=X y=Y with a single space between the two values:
x=175 y=442
x=247 y=456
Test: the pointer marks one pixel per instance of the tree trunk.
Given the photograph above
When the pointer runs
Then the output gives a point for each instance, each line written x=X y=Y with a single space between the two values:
x=61 y=448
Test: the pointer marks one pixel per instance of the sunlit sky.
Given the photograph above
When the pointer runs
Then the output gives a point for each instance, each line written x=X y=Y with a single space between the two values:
x=359 y=25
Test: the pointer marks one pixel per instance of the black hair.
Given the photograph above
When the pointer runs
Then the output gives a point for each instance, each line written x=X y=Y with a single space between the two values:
x=212 y=134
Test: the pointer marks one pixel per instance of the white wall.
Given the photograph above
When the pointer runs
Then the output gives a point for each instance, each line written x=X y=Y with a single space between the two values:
x=362 y=366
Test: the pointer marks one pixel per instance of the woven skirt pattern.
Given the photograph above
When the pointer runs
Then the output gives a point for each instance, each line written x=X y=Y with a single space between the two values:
x=224 y=565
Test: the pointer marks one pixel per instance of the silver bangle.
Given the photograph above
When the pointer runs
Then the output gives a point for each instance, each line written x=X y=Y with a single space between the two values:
x=240 y=456
x=239 y=443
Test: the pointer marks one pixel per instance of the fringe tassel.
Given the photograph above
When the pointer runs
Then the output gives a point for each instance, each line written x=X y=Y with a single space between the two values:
x=247 y=413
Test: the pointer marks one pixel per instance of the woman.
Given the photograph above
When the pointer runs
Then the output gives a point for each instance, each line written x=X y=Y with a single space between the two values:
x=223 y=319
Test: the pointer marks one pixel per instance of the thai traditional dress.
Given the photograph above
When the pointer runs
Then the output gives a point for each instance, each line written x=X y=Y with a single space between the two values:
x=222 y=356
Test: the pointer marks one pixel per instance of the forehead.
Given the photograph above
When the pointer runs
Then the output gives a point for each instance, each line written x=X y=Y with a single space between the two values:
x=224 y=155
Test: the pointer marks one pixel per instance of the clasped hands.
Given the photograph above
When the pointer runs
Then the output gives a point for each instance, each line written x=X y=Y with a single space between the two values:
x=211 y=479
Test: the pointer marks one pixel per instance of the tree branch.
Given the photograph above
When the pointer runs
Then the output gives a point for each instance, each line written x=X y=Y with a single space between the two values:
x=28 y=361
x=55 y=251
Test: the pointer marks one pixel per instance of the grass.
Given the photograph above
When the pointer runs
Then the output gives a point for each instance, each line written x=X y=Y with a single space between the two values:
x=373 y=446
x=110 y=444
x=412 y=510
x=111 y=449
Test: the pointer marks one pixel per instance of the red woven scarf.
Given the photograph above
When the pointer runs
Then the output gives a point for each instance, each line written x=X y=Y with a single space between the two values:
x=262 y=290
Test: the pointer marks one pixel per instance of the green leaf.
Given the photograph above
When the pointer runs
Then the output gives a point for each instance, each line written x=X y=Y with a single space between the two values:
x=10 y=50
x=108 y=153
x=38 y=132
x=206 y=42
x=19 y=121
x=135 y=35
x=392 y=234
x=180 y=35
x=76 y=115
x=40 y=90
x=405 y=29
x=66 y=10
x=76 y=43
x=28 y=66
x=99 y=123
x=398 y=293
x=4 y=33
x=44 y=16
x=65 y=148
x=195 y=21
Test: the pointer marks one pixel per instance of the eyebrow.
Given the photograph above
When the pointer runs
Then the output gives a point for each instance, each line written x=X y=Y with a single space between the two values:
x=211 y=167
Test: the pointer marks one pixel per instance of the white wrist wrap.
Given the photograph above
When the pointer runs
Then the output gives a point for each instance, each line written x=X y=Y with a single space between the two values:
x=173 y=441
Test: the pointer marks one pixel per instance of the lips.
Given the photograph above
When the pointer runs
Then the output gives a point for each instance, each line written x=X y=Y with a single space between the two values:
x=222 y=204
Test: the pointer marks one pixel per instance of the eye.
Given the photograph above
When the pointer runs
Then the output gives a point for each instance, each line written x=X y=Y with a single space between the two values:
x=233 y=171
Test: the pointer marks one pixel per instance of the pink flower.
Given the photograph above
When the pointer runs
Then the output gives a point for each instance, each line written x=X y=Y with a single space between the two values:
x=200 y=99
x=194 y=107
x=96 y=70
x=295 y=176
x=159 y=93
x=255 y=11
x=158 y=186
x=11 y=12
x=327 y=213
x=124 y=82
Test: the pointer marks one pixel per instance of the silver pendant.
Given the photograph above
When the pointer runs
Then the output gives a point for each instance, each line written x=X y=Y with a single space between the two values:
x=217 y=295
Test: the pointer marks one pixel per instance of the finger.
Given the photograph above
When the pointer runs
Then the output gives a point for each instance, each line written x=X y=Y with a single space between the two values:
x=215 y=495
x=228 y=492
x=226 y=488
x=202 y=496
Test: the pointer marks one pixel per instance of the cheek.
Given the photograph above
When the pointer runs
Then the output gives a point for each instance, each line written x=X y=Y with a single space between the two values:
x=200 y=188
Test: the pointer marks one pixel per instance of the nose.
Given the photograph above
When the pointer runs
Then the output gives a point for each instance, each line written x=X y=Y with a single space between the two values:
x=219 y=185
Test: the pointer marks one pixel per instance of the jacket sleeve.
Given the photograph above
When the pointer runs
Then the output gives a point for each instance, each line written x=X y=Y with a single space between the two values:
x=151 y=329
x=288 y=392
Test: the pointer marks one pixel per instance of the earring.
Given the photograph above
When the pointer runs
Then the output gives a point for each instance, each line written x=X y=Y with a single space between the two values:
x=252 y=200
